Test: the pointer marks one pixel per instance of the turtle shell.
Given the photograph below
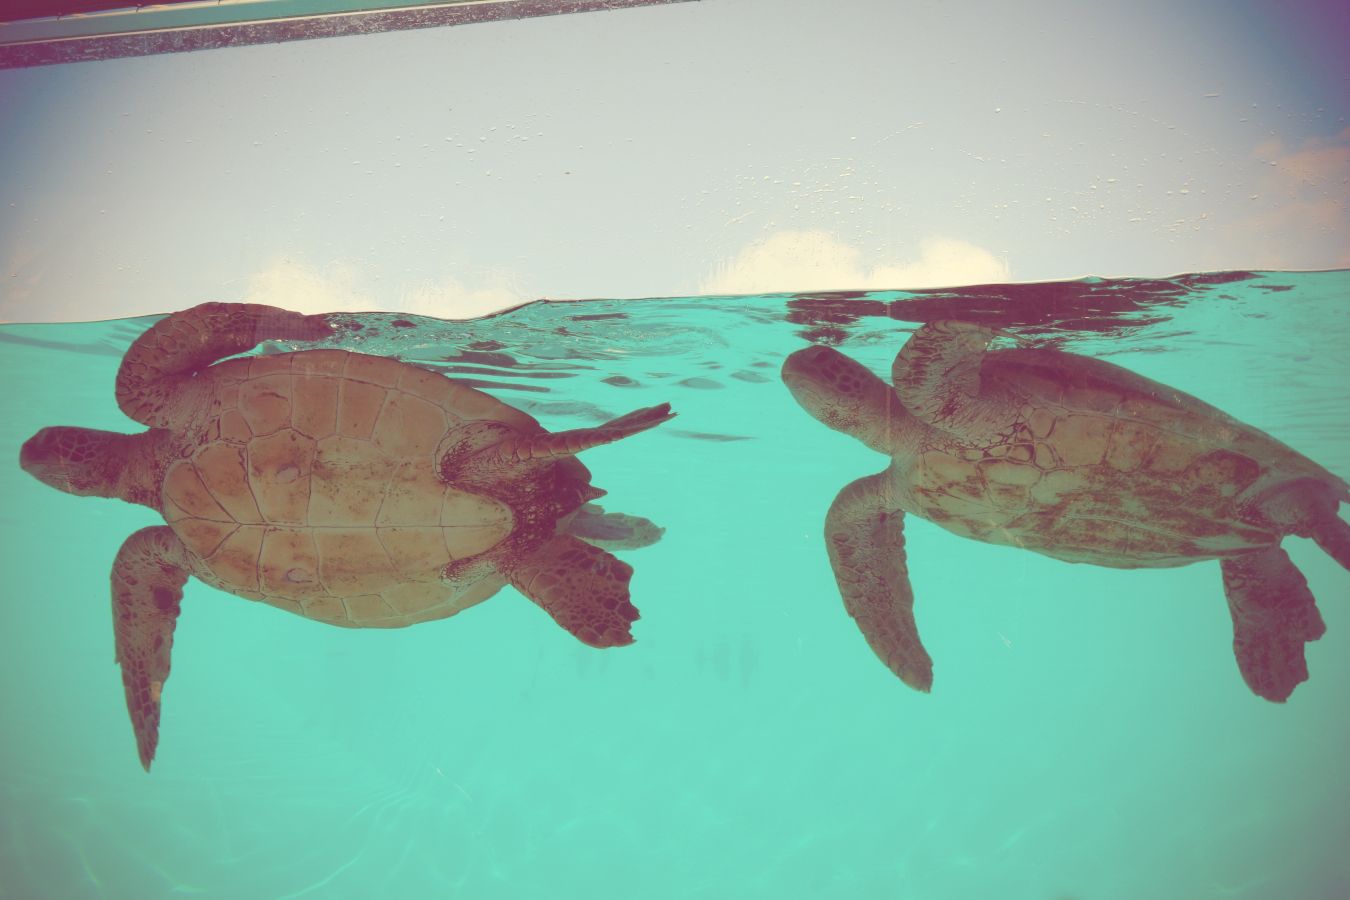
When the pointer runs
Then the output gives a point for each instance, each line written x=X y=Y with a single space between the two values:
x=313 y=486
x=1100 y=465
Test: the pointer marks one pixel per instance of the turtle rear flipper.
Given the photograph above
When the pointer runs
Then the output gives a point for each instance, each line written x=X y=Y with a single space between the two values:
x=147 y=587
x=1274 y=615
x=582 y=587
x=557 y=444
x=481 y=452
x=613 y=531
x=1333 y=536
x=865 y=538
x=1309 y=508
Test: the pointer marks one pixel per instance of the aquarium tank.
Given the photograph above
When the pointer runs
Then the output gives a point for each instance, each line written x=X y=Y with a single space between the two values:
x=896 y=451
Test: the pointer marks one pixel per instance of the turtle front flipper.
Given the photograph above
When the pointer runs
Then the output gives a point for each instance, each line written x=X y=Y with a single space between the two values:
x=1274 y=615
x=147 y=588
x=865 y=538
x=582 y=587
x=157 y=370
x=937 y=375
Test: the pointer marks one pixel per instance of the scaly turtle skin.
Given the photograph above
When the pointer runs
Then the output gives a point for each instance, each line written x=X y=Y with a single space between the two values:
x=1073 y=458
x=350 y=489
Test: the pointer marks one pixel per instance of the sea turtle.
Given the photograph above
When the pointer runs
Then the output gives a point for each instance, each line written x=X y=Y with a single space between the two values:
x=1074 y=458
x=351 y=489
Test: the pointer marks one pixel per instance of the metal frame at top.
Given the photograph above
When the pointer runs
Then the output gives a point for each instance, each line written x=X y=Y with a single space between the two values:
x=145 y=29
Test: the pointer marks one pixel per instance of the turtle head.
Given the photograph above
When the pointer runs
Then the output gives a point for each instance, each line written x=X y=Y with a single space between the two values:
x=844 y=395
x=81 y=461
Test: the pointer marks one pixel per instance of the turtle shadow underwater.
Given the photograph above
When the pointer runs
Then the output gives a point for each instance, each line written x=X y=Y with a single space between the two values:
x=360 y=491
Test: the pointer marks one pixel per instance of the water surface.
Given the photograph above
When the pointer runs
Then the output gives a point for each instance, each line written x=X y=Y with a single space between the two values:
x=1088 y=735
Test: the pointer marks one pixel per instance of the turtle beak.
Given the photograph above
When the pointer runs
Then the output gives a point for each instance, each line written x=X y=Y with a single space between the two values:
x=807 y=359
x=39 y=458
x=60 y=456
x=35 y=452
x=801 y=375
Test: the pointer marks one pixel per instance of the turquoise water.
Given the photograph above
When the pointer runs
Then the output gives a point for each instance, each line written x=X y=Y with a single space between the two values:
x=1088 y=735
